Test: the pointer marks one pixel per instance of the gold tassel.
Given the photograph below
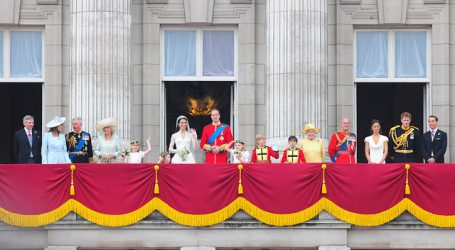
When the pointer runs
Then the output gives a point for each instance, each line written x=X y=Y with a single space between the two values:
x=407 y=189
x=240 y=188
x=157 y=188
x=324 y=188
x=72 y=192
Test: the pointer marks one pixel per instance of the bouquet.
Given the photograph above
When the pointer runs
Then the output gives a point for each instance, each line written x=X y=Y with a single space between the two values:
x=183 y=153
x=125 y=152
x=237 y=153
x=105 y=159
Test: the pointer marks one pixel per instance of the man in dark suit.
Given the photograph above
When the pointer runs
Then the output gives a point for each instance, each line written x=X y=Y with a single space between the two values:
x=434 y=142
x=27 y=143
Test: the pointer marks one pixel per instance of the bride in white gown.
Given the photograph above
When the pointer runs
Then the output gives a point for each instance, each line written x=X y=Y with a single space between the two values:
x=184 y=140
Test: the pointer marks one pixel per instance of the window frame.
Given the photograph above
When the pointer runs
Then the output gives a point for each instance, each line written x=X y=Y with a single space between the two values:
x=199 y=54
x=391 y=66
x=7 y=55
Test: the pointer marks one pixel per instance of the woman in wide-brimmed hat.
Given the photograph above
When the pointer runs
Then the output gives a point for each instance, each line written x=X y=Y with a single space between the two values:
x=107 y=147
x=312 y=147
x=53 y=149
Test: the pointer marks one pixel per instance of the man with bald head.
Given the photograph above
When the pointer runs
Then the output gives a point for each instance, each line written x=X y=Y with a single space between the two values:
x=343 y=144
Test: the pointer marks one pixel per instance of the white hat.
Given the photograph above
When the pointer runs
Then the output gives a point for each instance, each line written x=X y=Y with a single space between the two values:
x=55 y=122
x=107 y=122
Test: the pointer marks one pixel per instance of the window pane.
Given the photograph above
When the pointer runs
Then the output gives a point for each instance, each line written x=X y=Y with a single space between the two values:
x=218 y=53
x=372 y=55
x=411 y=54
x=1 y=54
x=26 y=54
x=180 y=53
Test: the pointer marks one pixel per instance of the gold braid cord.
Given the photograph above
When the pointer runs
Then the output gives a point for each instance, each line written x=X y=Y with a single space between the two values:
x=402 y=139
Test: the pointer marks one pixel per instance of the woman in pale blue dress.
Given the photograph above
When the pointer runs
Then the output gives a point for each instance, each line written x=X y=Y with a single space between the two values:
x=107 y=149
x=53 y=149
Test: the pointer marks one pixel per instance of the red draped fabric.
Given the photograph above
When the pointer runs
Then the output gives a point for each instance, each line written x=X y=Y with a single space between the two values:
x=200 y=195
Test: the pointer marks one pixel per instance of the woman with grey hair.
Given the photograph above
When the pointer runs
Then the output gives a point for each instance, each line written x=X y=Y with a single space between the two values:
x=107 y=148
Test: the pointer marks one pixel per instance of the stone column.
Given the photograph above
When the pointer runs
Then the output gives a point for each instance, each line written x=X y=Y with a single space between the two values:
x=100 y=34
x=296 y=90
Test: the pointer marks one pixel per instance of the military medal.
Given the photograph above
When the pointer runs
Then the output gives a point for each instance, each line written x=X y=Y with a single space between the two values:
x=221 y=138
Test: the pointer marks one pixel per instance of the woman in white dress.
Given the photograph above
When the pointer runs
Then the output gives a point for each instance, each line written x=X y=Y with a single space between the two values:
x=107 y=149
x=376 y=145
x=53 y=149
x=184 y=141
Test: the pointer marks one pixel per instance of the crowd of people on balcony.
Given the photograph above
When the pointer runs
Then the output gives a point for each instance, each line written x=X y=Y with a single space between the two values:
x=403 y=144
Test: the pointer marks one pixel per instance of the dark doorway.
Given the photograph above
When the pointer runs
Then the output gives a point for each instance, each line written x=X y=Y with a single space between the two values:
x=386 y=102
x=195 y=100
x=16 y=101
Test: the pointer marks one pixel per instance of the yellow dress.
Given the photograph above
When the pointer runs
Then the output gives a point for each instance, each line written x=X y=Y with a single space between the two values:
x=313 y=150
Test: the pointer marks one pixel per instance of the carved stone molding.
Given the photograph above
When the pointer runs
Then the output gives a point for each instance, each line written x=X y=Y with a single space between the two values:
x=169 y=13
x=392 y=11
x=9 y=11
x=47 y=2
x=434 y=1
x=157 y=1
x=198 y=11
x=349 y=1
x=241 y=1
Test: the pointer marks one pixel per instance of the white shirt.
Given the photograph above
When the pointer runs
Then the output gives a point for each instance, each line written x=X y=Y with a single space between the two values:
x=376 y=150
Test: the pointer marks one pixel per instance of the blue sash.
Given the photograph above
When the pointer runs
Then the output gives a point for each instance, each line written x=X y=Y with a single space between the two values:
x=80 y=144
x=215 y=134
x=343 y=147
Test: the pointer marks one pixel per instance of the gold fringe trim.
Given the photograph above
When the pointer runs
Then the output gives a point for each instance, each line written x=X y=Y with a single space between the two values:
x=364 y=219
x=429 y=218
x=117 y=220
x=25 y=220
x=281 y=219
x=197 y=220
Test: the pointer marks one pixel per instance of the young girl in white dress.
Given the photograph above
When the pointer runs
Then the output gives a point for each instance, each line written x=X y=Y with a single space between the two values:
x=184 y=141
x=135 y=154
x=376 y=145
x=239 y=154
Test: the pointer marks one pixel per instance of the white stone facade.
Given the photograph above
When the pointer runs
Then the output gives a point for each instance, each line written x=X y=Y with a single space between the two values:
x=315 y=76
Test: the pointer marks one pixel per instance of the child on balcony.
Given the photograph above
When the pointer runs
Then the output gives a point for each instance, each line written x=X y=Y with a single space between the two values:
x=135 y=155
x=238 y=154
x=263 y=153
x=293 y=154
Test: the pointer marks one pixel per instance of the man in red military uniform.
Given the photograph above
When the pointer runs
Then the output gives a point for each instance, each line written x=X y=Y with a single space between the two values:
x=216 y=137
x=343 y=144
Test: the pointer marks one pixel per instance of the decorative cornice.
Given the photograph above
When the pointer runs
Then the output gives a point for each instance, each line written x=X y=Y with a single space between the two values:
x=241 y=1
x=392 y=11
x=47 y=2
x=171 y=12
x=157 y=1
x=349 y=1
x=434 y=1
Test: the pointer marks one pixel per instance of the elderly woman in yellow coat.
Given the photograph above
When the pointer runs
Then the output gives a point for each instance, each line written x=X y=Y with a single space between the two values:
x=312 y=147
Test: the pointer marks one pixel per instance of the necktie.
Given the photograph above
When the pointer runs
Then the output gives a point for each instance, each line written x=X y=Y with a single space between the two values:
x=30 y=138
x=432 y=134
